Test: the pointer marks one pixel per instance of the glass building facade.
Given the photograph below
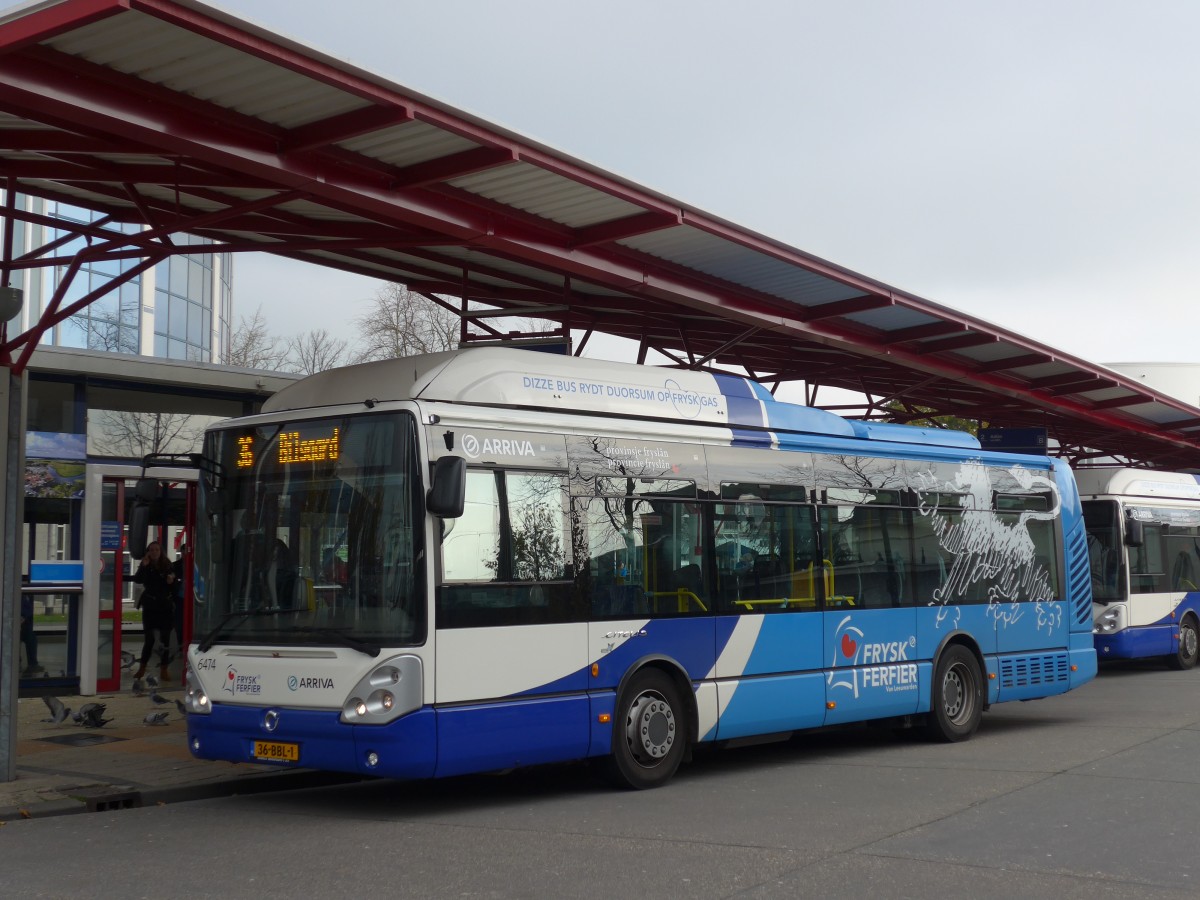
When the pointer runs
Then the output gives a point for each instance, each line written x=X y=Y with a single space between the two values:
x=179 y=309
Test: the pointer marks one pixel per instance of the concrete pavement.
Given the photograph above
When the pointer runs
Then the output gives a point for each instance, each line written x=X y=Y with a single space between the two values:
x=69 y=768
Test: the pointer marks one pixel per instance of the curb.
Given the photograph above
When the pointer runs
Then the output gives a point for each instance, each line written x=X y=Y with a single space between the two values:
x=116 y=797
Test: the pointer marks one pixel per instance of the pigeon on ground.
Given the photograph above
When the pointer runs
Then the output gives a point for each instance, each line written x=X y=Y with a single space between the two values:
x=156 y=718
x=152 y=682
x=58 y=712
x=91 y=715
x=179 y=706
x=158 y=699
x=139 y=687
x=128 y=660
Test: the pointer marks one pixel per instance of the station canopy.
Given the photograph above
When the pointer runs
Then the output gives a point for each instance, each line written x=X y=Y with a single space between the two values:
x=179 y=118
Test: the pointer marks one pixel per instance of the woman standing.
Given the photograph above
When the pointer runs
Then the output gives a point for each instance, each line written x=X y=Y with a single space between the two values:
x=156 y=575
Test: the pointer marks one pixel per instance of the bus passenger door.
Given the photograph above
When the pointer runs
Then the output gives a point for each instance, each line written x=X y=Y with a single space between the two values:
x=769 y=584
x=870 y=617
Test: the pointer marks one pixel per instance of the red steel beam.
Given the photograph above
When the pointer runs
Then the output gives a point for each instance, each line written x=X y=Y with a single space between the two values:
x=343 y=127
x=29 y=89
x=44 y=24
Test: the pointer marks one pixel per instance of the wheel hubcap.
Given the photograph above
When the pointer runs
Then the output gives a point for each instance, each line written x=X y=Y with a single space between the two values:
x=1187 y=637
x=650 y=728
x=955 y=697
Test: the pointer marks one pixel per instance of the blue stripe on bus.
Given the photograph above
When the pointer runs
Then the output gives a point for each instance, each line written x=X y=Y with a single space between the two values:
x=743 y=437
x=1137 y=642
x=1160 y=638
x=744 y=407
x=519 y=733
x=689 y=641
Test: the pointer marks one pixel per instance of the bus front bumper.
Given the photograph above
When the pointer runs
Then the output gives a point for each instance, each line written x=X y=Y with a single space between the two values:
x=317 y=739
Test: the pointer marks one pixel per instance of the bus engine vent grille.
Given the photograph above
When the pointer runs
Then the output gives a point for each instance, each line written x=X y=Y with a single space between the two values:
x=1028 y=671
x=1079 y=577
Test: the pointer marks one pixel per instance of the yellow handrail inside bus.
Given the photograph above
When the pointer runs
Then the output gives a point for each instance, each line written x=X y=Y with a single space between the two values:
x=682 y=598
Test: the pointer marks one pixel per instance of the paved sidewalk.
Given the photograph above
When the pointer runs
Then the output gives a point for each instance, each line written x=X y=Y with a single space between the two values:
x=68 y=768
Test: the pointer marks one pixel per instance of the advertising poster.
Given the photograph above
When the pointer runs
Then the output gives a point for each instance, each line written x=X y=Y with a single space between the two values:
x=54 y=464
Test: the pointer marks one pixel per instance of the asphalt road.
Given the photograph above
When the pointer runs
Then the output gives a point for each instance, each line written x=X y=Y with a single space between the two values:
x=1091 y=795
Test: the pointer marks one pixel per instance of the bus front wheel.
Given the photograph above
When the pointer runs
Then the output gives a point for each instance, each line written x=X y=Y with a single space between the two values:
x=957 y=702
x=1189 y=645
x=650 y=732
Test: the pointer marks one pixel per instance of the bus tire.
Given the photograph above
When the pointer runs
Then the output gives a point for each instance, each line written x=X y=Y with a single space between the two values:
x=1188 y=651
x=650 y=732
x=956 y=704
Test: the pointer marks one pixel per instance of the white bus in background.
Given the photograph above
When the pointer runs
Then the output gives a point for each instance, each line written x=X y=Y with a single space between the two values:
x=1144 y=548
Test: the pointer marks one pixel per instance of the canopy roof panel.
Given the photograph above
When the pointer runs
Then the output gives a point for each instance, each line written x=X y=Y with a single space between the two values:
x=179 y=117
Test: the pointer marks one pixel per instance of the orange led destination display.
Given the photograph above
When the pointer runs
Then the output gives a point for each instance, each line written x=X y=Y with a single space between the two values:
x=245 y=452
x=292 y=449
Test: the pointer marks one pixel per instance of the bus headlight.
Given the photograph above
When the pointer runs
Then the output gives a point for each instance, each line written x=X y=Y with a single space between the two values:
x=391 y=689
x=1112 y=619
x=194 y=698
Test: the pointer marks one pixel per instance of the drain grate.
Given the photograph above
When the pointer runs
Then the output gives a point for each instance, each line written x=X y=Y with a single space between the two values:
x=107 y=802
x=83 y=739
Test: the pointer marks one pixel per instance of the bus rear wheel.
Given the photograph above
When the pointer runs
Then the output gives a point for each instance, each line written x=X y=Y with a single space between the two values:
x=957 y=702
x=650 y=731
x=1188 y=652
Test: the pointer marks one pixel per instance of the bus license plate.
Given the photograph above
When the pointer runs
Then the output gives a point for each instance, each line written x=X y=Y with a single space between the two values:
x=276 y=751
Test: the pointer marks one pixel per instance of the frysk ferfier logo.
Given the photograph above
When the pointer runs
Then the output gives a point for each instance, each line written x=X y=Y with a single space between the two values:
x=858 y=665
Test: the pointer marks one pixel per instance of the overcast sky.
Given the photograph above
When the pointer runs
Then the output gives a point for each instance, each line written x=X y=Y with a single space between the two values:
x=1029 y=163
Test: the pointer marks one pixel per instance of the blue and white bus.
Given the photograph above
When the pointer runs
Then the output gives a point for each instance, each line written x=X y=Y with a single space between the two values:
x=493 y=558
x=1143 y=532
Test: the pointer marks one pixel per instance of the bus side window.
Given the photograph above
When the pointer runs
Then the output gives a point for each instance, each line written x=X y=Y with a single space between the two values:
x=869 y=556
x=643 y=556
x=1182 y=547
x=507 y=559
x=766 y=557
x=1147 y=568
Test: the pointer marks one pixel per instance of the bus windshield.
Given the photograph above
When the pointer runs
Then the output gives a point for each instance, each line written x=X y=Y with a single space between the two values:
x=310 y=532
x=1105 y=549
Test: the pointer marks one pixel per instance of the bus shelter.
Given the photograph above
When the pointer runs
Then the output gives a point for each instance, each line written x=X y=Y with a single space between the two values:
x=91 y=420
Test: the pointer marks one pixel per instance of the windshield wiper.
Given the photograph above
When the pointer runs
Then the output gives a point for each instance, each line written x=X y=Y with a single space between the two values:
x=243 y=614
x=341 y=636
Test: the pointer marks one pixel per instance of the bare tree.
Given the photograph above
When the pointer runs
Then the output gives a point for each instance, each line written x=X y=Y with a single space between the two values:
x=315 y=351
x=108 y=336
x=137 y=434
x=252 y=346
x=402 y=323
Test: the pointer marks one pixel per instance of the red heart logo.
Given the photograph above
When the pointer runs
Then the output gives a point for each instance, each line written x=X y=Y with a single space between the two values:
x=230 y=676
x=849 y=646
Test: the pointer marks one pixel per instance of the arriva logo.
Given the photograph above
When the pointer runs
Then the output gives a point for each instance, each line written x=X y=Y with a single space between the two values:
x=474 y=447
x=852 y=652
x=296 y=683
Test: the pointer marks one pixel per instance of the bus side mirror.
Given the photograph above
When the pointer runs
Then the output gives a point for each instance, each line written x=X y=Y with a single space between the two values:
x=139 y=515
x=448 y=492
x=1135 y=535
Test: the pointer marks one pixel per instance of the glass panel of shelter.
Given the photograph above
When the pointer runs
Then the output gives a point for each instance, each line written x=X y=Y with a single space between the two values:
x=49 y=618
